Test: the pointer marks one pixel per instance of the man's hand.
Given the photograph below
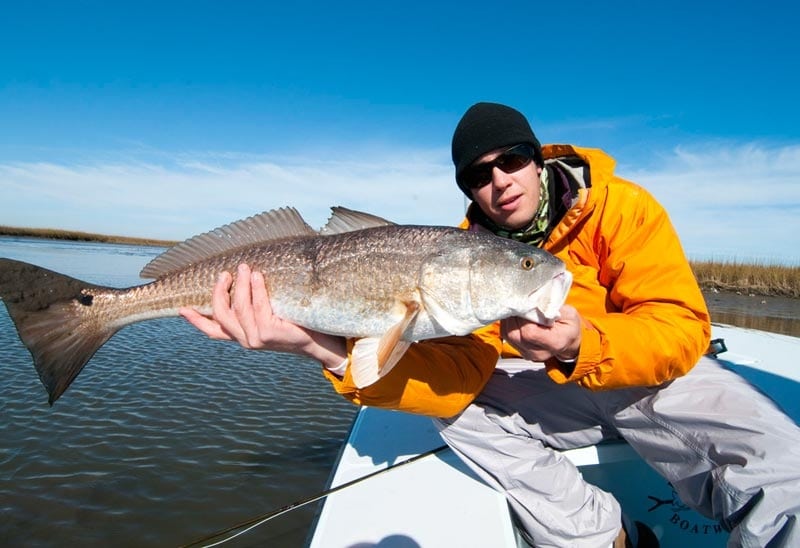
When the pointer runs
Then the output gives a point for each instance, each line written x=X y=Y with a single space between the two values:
x=535 y=342
x=247 y=318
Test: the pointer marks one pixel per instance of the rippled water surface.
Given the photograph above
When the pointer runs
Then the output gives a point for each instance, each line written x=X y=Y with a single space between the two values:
x=774 y=314
x=165 y=436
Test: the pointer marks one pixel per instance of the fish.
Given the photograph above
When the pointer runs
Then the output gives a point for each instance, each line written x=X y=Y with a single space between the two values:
x=360 y=276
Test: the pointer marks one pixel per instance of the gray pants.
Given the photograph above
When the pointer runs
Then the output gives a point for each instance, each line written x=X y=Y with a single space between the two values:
x=727 y=450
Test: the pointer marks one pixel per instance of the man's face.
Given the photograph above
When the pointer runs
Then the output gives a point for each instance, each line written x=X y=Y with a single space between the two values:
x=510 y=199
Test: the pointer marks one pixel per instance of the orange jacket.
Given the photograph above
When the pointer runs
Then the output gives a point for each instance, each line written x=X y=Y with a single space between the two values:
x=645 y=319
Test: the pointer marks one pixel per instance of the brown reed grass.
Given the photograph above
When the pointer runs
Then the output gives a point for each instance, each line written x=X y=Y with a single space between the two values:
x=72 y=235
x=753 y=278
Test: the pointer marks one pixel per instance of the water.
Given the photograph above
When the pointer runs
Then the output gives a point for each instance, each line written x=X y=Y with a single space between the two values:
x=774 y=314
x=166 y=436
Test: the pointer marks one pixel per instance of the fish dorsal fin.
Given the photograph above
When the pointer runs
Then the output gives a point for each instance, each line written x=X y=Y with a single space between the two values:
x=348 y=220
x=276 y=224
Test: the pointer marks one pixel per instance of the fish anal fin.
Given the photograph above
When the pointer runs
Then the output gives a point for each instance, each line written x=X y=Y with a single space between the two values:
x=372 y=357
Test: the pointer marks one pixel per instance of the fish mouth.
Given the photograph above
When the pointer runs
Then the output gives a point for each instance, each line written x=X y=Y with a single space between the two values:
x=548 y=299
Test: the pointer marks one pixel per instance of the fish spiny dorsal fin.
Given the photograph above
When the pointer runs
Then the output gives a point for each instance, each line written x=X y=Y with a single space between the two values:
x=269 y=226
x=348 y=220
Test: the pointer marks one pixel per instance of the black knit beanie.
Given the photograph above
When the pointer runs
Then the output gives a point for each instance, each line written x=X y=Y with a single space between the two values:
x=486 y=127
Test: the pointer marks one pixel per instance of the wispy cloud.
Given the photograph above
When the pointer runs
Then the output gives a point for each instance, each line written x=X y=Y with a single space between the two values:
x=730 y=201
x=194 y=193
x=726 y=201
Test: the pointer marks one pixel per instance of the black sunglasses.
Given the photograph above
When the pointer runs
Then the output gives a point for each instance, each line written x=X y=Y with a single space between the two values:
x=510 y=160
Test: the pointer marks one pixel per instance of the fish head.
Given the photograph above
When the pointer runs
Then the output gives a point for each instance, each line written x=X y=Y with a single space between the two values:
x=509 y=278
x=473 y=279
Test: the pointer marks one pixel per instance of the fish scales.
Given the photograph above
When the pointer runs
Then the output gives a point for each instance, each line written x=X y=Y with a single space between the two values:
x=342 y=284
x=361 y=277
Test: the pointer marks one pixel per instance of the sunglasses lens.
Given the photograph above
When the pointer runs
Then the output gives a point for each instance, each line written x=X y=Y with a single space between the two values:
x=477 y=177
x=512 y=161
x=509 y=161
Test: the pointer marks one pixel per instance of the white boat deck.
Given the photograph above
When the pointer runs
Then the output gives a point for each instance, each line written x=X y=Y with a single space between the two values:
x=435 y=501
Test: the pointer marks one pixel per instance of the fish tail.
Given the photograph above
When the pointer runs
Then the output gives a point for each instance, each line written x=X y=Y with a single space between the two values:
x=54 y=316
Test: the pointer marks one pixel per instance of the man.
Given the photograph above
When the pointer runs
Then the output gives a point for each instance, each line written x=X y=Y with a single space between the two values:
x=624 y=360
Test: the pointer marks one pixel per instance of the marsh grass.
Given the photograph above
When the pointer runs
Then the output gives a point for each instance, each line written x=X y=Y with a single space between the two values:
x=751 y=278
x=55 y=234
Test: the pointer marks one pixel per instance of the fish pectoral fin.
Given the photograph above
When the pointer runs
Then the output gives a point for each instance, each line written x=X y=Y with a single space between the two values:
x=392 y=339
x=364 y=365
x=374 y=357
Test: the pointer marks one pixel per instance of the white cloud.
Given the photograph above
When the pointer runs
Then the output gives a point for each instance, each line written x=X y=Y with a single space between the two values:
x=733 y=202
x=726 y=201
x=189 y=195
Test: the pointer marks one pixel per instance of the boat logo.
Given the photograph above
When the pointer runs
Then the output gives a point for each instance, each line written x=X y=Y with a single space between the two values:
x=681 y=516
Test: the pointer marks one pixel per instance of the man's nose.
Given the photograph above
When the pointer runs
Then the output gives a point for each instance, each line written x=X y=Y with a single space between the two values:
x=500 y=179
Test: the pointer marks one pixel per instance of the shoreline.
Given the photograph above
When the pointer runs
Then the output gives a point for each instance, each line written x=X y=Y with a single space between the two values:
x=713 y=278
x=77 y=236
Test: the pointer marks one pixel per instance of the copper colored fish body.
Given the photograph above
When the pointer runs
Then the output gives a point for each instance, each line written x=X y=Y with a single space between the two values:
x=360 y=276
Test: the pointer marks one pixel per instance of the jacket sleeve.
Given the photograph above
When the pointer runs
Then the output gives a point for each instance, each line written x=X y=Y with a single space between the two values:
x=655 y=324
x=436 y=377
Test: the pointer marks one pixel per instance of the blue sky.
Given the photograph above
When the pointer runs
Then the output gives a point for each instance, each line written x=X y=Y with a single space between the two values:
x=167 y=119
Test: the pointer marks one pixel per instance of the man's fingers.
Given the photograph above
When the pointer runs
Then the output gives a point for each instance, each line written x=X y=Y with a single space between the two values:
x=190 y=314
x=242 y=299
x=243 y=307
x=220 y=295
x=261 y=305
x=245 y=317
x=210 y=327
x=224 y=313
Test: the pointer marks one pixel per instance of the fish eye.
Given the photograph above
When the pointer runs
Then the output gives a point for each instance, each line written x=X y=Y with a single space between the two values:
x=527 y=263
